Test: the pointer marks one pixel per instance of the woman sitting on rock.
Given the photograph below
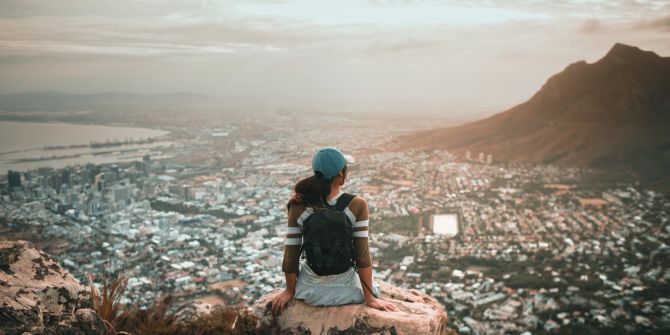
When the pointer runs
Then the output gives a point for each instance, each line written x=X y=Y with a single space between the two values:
x=331 y=227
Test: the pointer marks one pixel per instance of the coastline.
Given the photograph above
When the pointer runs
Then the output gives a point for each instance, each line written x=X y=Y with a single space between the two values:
x=28 y=145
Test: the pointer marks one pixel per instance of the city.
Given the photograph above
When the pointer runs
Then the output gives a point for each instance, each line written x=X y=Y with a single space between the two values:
x=537 y=248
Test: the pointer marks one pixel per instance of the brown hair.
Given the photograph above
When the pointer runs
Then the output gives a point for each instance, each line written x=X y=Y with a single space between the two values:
x=312 y=191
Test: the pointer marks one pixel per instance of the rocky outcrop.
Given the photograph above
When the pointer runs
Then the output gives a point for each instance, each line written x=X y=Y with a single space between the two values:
x=84 y=322
x=38 y=296
x=418 y=313
x=195 y=310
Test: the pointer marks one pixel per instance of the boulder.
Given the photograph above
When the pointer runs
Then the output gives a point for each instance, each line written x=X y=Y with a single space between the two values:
x=35 y=292
x=194 y=310
x=84 y=322
x=418 y=313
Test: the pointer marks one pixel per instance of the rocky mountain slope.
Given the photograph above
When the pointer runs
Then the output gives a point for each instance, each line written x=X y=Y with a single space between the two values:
x=37 y=296
x=613 y=114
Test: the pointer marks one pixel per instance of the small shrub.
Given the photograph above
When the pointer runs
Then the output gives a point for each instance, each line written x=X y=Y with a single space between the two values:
x=107 y=304
x=154 y=320
x=226 y=321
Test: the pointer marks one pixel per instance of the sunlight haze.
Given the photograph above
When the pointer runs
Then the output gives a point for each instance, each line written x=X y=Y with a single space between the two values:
x=448 y=57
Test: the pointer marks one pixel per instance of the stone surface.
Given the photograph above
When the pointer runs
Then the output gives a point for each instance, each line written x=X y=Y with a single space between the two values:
x=418 y=313
x=84 y=322
x=35 y=291
x=194 y=310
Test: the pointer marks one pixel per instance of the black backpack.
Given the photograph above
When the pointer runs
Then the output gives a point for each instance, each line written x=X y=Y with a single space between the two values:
x=328 y=238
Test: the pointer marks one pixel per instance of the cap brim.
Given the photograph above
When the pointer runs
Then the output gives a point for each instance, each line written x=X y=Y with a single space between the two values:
x=349 y=159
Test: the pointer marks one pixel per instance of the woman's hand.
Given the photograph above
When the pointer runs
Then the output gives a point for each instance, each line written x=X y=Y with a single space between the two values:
x=281 y=300
x=381 y=305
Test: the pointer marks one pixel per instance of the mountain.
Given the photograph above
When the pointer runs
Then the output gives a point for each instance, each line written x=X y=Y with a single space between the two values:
x=612 y=114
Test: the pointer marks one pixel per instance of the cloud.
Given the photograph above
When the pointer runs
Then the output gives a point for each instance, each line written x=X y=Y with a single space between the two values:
x=110 y=8
x=590 y=26
x=164 y=36
x=661 y=24
x=296 y=60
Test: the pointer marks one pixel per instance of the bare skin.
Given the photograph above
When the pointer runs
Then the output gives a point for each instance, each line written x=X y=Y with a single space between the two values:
x=286 y=294
x=365 y=274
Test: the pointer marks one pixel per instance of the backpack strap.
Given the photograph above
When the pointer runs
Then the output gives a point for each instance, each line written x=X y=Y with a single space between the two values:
x=343 y=201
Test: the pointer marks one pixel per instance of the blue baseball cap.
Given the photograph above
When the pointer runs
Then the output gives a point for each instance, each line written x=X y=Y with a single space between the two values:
x=330 y=161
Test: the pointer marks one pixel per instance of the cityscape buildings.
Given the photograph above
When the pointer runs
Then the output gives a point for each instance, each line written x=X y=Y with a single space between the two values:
x=537 y=249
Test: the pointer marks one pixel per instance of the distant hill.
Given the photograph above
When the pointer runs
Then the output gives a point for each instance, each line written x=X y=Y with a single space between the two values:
x=612 y=114
x=50 y=101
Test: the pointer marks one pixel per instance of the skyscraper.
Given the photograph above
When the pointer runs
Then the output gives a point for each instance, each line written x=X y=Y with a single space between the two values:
x=66 y=176
x=13 y=179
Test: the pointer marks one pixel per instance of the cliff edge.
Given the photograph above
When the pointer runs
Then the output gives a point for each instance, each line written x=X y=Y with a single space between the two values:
x=38 y=297
x=418 y=313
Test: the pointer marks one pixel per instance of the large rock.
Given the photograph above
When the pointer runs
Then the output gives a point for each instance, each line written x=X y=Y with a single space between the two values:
x=195 y=310
x=35 y=292
x=418 y=313
x=84 y=322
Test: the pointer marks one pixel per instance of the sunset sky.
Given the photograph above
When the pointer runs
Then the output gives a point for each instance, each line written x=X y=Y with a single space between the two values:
x=443 y=56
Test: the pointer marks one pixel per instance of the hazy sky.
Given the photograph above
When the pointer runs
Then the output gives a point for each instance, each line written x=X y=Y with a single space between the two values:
x=450 y=56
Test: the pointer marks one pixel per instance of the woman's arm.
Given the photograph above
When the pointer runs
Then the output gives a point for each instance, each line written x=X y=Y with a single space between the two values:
x=286 y=295
x=365 y=274
x=291 y=259
x=362 y=252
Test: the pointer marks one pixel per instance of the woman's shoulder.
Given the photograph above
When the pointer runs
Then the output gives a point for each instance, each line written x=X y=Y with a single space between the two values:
x=359 y=200
x=295 y=211
x=359 y=207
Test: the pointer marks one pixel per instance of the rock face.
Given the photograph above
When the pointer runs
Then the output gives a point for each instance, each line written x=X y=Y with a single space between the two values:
x=194 y=310
x=36 y=294
x=418 y=313
x=84 y=322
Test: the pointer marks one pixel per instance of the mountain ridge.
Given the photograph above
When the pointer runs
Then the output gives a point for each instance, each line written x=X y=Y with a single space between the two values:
x=613 y=113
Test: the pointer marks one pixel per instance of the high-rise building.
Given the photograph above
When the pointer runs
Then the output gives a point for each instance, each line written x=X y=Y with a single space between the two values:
x=99 y=182
x=13 y=179
x=91 y=173
x=55 y=182
x=489 y=159
x=66 y=176
x=121 y=194
x=110 y=176
x=481 y=157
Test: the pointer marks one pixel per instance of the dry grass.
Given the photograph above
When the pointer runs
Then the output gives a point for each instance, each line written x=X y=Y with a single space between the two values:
x=228 y=321
x=107 y=304
x=156 y=320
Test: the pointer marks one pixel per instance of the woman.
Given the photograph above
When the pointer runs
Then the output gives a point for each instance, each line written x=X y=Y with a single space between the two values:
x=330 y=172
